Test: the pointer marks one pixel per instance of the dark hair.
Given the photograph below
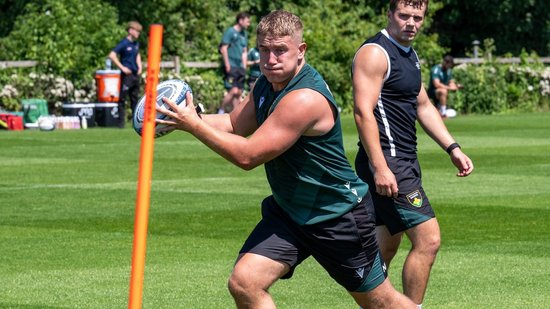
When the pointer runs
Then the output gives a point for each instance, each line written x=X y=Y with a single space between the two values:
x=449 y=60
x=241 y=15
x=414 y=3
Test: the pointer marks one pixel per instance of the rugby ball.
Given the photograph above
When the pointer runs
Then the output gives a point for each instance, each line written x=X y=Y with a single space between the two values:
x=174 y=90
x=46 y=123
x=451 y=113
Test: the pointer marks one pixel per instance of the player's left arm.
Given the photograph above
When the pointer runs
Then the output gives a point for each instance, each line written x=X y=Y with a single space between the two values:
x=240 y=121
x=432 y=123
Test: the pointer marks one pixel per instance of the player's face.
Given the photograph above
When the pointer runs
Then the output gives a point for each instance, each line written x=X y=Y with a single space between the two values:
x=280 y=58
x=134 y=33
x=244 y=22
x=405 y=22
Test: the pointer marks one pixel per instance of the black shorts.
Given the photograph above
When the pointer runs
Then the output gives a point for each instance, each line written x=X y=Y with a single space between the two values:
x=346 y=247
x=235 y=78
x=431 y=95
x=411 y=207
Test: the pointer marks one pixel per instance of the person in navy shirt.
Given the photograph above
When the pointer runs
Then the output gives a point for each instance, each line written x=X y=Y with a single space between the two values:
x=130 y=65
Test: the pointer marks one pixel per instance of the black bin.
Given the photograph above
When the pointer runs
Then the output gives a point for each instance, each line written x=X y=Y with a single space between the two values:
x=107 y=114
x=82 y=110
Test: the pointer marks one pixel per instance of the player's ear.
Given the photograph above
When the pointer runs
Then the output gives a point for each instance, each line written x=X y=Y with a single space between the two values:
x=302 y=50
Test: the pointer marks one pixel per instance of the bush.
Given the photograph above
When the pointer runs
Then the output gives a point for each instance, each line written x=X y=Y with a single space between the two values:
x=207 y=85
x=18 y=84
x=498 y=88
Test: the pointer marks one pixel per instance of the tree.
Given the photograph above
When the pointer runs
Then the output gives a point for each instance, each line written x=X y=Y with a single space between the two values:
x=63 y=36
x=72 y=36
x=513 y=24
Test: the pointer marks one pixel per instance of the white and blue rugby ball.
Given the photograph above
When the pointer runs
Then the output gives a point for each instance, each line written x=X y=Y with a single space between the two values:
x=174 y=90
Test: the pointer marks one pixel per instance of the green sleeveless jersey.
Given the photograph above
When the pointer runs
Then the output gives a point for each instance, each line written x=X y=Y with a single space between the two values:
x=313 y=180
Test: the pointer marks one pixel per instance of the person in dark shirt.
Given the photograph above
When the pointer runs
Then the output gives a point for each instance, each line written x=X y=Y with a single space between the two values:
x=130 y=65
x=441 y=82
x=319 y=207
x=234 y=50
x=388 y=100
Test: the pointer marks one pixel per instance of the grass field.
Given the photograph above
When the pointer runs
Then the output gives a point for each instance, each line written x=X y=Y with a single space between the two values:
x=67 y=207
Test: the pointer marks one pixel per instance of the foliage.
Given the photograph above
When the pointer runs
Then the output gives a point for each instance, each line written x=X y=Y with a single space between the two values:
x=68 y=42
x=206 y=86
x=71 y=38
x=514 y=24
x=491 y=88
x=55 y=89
x=9 y=10
x=63 y=36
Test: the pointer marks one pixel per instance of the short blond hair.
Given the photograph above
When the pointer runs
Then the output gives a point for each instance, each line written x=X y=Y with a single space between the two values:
x=280 y=23
x=134 y=25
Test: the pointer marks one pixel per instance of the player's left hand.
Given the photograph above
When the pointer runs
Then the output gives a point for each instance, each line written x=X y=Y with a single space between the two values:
x=182 y=116
x=462 y=162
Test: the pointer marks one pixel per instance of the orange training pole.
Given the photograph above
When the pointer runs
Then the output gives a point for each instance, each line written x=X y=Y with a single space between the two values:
x=145 y=168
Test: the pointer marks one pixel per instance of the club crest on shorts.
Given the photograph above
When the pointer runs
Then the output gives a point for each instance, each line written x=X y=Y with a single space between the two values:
x=415 y=198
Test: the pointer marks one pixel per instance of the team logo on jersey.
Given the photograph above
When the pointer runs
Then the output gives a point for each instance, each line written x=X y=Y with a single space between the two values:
x=360 y=272
x=418 y=65
x=415 y=198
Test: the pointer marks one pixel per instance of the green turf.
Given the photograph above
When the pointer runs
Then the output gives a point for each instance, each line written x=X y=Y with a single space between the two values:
x=67 y=208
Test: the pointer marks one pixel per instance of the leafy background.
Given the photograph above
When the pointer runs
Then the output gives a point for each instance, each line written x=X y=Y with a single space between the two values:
x=71 y=38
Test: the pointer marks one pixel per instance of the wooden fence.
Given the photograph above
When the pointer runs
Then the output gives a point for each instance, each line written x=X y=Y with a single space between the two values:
x=500 y=60
x=176 y=63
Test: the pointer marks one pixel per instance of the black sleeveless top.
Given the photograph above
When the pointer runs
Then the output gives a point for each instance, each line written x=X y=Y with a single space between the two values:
x=396 y=109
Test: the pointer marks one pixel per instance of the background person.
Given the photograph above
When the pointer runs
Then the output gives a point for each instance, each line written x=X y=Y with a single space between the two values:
x=441 y=82
x=130 y=65
x=318 y=207
x=253 y=66
x=233 y=49
x=389 y=98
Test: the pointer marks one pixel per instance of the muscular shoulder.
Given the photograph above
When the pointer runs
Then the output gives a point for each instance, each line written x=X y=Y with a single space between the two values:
x=371 y=59
x=310 y=108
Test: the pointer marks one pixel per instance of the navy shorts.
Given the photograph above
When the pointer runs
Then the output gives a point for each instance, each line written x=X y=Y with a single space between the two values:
x=235 y=78
x=411 y=206
x=345 y=247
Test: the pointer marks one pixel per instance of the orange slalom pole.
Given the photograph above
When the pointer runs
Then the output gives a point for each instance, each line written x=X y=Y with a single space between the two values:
x=145 y=168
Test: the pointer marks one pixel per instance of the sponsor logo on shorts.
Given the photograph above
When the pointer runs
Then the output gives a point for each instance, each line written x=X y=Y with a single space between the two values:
x=415 y=198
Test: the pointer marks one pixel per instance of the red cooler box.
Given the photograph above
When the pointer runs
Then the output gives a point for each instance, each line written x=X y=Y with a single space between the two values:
x=108 y=85
x=13 y=122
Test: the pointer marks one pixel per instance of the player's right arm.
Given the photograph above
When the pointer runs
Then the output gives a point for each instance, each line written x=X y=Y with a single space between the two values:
x=114 y=58
x=369 y=69
x=225 y=57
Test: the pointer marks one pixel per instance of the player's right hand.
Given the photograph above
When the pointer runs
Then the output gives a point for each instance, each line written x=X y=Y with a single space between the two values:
x=386 y=184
